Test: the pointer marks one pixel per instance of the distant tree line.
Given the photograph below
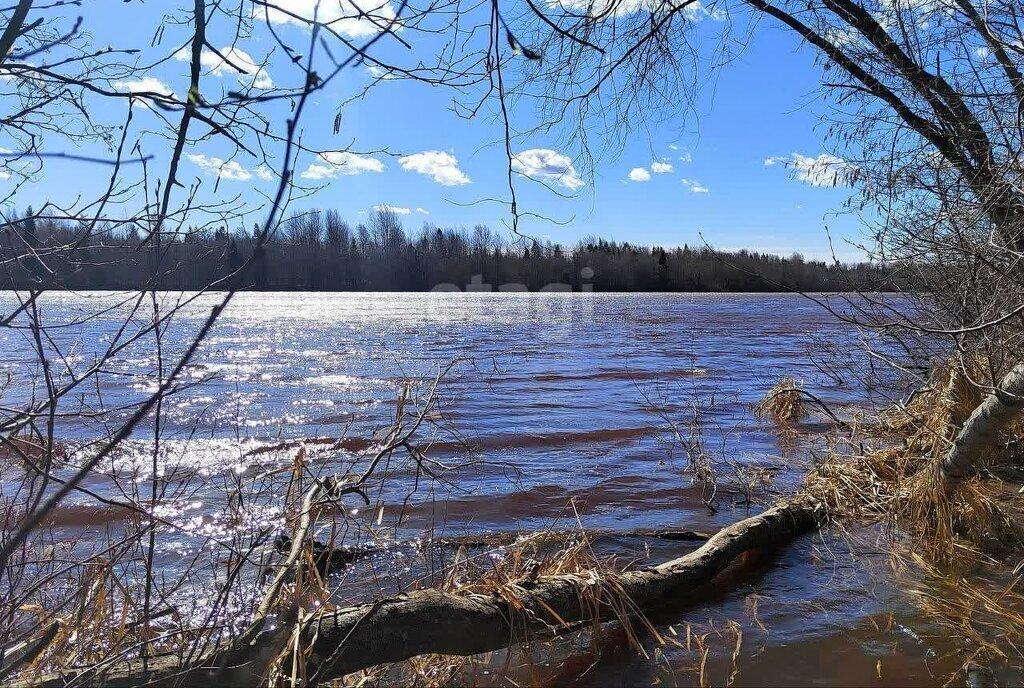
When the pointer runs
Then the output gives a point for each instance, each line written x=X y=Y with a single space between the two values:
x=320 y=251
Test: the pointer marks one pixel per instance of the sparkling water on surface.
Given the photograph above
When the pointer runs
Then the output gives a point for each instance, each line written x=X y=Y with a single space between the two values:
x=550 y=406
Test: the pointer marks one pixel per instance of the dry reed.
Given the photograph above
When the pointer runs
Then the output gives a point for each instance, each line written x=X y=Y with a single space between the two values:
x=784 y=402
x=951 y=544
x=890 y=470
x=507 y=573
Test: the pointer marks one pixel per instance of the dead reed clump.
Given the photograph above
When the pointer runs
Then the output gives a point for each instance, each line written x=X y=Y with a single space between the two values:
x=951 y=545
x=984 y=615
x=509 y=573
x=934 y=413
x=964 y=529
x=784 y=402
x=890 y=469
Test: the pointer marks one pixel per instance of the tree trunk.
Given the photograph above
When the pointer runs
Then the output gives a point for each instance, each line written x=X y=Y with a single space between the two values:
x=980 y=432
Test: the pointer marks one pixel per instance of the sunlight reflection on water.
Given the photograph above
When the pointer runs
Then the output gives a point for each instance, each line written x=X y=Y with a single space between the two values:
x=558 y=385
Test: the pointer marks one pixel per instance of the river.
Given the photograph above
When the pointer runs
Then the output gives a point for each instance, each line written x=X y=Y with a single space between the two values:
x=557 y=411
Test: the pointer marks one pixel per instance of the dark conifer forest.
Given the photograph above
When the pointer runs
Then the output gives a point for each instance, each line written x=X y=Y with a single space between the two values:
x=321 y=251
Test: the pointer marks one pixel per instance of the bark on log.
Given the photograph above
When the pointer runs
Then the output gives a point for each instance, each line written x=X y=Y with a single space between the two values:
x=436 y=622
x=328 y=558
x=981 y=431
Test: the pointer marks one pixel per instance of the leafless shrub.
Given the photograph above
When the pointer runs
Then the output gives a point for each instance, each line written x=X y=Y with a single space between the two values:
x=83 y=601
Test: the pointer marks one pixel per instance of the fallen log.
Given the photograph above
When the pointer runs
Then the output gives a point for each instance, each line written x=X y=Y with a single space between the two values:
x=393 y=629
x=25 y=652
x=435 y=622
x=329 y=558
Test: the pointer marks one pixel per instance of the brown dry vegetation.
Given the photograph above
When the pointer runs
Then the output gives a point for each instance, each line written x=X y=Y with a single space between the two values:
x=889 y=469
x=957 y=551
x=938 y=169
x=505 y=572
x=784 y=402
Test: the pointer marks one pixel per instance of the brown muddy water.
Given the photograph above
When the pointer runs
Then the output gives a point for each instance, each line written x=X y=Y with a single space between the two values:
x=548 y=411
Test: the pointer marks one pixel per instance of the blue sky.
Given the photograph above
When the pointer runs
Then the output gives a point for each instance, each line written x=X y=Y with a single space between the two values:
x=726 y=171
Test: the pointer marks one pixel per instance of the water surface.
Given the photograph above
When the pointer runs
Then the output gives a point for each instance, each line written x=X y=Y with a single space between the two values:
x=559 y=408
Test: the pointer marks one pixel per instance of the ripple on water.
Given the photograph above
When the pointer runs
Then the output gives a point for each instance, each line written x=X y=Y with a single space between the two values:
x=553 y=417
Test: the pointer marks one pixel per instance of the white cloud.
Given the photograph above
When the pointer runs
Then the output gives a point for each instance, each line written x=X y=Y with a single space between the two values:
x=146 y=84
x=264 y=173
x=391 y=208
x=639 y=174
x=610 y=9
x=698 y=11
x=983 y=52
x=695 y=186
x=254 y=74
x=603 y=8
x=353 y=18
x=824 y=170
x=4 y=173
x=686 y=157
x=231 y=170
x=378 y=72
x=442 y=167
x=333 y=163
x=924 y=7
x=8 y=75
x=422 y=211
x=661 y=167
x=547 y=165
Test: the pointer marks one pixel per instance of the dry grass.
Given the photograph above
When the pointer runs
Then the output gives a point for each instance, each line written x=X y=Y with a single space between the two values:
x=529 y=659
x=507 y=573
x=883 y=470
x=784 y=402
x=104 y=616
x=953 y=546
x=890 y=470
x=984 y=617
